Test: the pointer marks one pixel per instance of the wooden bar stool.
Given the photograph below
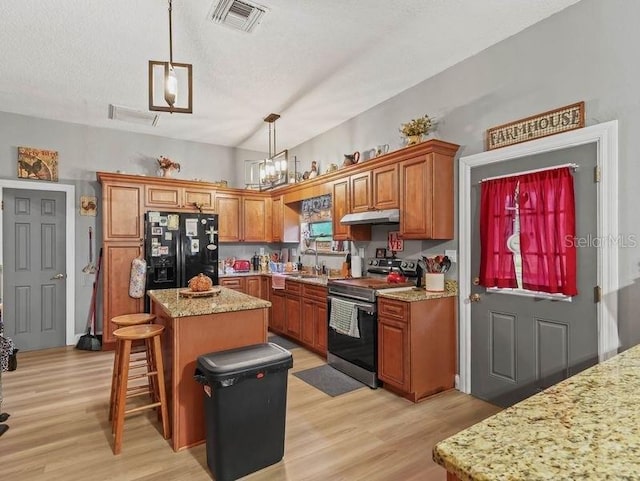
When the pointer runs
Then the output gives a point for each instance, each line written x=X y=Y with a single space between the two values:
x=136 y=361
x=150 y=333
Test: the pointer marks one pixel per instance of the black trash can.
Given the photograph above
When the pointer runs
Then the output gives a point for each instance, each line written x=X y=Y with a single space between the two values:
x=245 y=403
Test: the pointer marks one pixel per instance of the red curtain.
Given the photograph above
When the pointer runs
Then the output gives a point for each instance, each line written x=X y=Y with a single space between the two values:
x=497 y=215
x=547 y=231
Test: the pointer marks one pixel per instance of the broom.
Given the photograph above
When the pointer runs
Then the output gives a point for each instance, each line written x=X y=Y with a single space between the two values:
x=89 y=341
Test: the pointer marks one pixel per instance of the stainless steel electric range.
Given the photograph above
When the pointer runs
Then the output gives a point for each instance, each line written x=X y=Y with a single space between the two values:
x=352 y=344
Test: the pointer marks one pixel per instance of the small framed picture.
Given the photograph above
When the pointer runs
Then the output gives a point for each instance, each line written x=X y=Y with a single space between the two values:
x=381 y=253
x=156 y=231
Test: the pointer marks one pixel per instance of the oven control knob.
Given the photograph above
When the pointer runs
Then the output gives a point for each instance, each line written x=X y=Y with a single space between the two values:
x=372 y=262
x=411 y=265
x=403 y=265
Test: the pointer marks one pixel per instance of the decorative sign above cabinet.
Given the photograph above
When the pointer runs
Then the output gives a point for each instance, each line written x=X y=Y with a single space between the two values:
x=540 y=125
x=316 y=209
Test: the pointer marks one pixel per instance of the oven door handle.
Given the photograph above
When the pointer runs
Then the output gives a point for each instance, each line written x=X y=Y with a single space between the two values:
x=370 y=308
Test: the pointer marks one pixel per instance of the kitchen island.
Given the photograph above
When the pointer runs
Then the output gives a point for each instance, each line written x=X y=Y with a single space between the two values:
x=195 y=326
x=586 y=427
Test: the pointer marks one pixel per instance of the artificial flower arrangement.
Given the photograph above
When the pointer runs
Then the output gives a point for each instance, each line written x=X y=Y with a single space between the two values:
x=167 y=164
x=419 y=126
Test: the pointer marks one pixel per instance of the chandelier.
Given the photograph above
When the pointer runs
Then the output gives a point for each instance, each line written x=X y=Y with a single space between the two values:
x=273 y=170
x=170 y=82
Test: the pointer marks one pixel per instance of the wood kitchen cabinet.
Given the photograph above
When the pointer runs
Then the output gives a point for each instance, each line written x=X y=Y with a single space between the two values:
x=361 y=194
x=278 y=311
x=251 y=285
x=384 y=185
x=176 y=198
x=341 y=205
x=426 y=196
x=243 y=218
x=122 y=236
x=314 y=318
x=285 y=221
x=375 y=189
x=417 y=346
x=123 y=218
x=235 y=283
x=277 y=218
x=116 y=266
x=293 y=308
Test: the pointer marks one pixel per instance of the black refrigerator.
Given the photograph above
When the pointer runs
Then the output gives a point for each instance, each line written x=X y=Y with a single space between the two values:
x=179 y=246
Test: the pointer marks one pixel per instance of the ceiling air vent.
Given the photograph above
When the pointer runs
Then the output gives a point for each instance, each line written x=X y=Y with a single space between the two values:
x=238 y=14
x=126 y=114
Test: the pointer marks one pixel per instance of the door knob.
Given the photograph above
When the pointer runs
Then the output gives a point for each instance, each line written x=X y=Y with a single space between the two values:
x=476 y=281
x=57 y=276
x=474 y=297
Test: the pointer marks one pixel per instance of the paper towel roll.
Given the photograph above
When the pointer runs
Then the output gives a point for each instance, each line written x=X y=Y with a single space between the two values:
x=356 y=266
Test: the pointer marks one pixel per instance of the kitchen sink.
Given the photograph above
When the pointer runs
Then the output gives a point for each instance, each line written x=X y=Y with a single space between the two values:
x=302 y=275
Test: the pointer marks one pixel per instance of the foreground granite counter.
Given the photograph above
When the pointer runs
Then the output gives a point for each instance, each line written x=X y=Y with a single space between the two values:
x=584 y=428
x=196 y=326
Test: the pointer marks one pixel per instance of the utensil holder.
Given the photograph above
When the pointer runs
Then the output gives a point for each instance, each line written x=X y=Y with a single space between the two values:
x=434 y=281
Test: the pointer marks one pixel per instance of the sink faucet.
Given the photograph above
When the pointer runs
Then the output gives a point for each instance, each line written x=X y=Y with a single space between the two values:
x=316 y=266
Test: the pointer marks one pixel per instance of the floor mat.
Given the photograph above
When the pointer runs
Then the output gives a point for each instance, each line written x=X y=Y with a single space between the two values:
x=329 y=380
x=282 y=342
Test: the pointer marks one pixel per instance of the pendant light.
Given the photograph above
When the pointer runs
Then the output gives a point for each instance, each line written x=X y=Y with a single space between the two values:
x=170 y=81
x=273 y=170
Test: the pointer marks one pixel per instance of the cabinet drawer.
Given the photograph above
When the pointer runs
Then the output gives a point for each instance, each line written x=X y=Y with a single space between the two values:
x=236 y=283
x=315 y=292
x=393 y=309
x=292 y=287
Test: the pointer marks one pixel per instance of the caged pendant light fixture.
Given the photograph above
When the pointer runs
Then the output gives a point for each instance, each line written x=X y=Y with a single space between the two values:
x=170 y=83
x=273 y=170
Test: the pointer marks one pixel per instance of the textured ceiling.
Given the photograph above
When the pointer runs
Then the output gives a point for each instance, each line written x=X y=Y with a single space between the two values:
x=315 y=62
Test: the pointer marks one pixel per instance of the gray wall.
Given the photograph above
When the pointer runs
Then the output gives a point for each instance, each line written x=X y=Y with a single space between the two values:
x=586 y=52
x=82 y=151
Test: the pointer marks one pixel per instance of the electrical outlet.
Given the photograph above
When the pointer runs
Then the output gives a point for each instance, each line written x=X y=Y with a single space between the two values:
x=452 y=255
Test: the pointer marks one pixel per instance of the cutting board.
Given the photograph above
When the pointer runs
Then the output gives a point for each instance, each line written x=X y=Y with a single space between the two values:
x=214 y=291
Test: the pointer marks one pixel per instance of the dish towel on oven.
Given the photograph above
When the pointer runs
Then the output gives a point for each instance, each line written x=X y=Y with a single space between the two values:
x=344 y=317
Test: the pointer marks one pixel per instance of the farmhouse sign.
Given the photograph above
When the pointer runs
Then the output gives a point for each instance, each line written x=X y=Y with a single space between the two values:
x=548 y=123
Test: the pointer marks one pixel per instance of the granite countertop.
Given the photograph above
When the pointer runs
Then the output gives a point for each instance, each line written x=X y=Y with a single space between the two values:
x=420 y=294
x=320 y=280
x=585 y=428
x=227 y=301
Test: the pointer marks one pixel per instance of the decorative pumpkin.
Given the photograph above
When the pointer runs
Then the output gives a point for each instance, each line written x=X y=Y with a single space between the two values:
x=200 y=283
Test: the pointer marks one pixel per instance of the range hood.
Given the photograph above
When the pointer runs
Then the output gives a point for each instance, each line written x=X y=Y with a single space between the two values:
x=388 y=216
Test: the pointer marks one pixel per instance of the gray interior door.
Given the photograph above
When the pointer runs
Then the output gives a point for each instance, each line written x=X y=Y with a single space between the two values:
x=33 y=245
x=521 y=345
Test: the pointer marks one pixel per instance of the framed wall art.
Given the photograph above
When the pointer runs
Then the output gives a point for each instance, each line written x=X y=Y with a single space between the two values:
x=88 y=205
x=37 y=164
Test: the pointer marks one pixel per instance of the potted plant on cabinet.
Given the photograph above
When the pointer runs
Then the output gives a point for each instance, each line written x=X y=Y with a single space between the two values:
x=415 y=129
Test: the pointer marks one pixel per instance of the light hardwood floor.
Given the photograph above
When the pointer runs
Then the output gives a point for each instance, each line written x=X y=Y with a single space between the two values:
x=58 y=401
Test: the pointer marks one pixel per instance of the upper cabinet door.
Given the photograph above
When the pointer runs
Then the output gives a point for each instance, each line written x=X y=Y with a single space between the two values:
x=167 y=198
x=340 y=208
x=192 y=198
x=385 y=187
x=122 y=219
x=426 y=197
x=228 y=208
x=277 y=216
x=257 y=219
x=361 y=192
